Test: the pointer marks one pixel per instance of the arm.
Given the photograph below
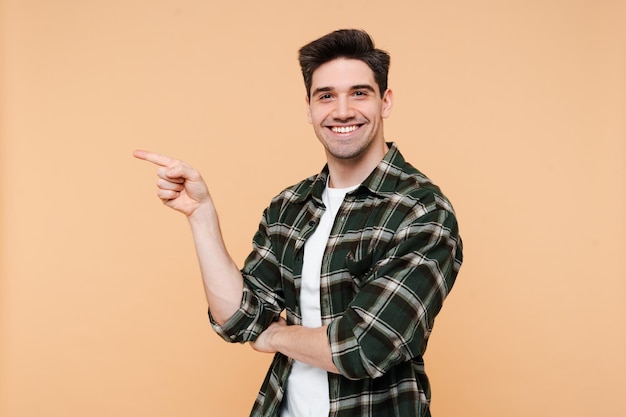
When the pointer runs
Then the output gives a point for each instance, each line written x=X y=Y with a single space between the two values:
x=390 y=319
x=304 y=344
x=182 y=188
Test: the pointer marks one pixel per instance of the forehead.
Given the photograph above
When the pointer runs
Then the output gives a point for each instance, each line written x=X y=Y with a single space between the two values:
x=343 y=73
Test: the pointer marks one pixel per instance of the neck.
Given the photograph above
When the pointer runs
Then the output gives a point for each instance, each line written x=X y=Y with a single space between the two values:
x=346 y=173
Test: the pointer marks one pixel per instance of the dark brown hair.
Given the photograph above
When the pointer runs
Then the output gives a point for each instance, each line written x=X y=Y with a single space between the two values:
x=344 y=43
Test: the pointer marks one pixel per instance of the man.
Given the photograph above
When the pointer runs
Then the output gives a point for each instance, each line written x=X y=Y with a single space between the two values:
x=360 y=257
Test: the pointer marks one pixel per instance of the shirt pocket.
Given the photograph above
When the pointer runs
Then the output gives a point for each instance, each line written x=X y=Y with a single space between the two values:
x=365 y=253
x=359 y=264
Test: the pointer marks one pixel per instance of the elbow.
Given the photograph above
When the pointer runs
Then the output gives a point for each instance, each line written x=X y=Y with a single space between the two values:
x=245 y=324
x=364 y=356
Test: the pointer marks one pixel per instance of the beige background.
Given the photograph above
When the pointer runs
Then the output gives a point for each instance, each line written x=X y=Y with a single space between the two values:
x=516 y=108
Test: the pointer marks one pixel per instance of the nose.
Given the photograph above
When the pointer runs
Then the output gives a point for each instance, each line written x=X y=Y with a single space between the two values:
x=343 y=109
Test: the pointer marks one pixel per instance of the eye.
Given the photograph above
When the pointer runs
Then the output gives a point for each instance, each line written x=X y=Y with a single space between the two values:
x=360 y=93
x=325 y=97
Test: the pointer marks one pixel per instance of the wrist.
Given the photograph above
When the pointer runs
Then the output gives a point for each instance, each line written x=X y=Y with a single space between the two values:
x=274 y=338
x=204 y=214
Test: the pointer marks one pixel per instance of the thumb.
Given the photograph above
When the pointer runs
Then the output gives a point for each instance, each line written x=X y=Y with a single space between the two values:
x=181 y=172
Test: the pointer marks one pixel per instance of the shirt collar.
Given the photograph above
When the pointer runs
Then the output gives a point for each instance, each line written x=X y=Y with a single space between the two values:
x=381 y=181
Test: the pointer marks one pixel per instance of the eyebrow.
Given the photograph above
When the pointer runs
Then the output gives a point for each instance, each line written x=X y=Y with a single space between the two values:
x=363 y=87
x=354 y=87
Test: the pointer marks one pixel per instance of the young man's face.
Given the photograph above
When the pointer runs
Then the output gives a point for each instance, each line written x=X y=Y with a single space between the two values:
x=346 y=109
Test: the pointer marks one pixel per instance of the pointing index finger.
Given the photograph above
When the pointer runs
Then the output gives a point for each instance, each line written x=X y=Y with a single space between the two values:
x=153 y=157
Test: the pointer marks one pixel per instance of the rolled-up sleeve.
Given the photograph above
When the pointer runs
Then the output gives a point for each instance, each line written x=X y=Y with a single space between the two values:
x=391 y=317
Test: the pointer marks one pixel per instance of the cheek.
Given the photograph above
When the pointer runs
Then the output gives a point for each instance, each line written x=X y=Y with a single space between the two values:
x=315 y=116
x=379 y=112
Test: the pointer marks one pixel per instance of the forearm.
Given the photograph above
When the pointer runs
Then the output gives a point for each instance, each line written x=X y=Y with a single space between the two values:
x=304 y=344
x=223 y=283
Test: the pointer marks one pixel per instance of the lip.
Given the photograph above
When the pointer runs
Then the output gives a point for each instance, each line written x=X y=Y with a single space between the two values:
x=344 y=130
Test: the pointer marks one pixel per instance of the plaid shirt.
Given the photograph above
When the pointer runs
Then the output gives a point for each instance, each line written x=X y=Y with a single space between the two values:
x=392 y=257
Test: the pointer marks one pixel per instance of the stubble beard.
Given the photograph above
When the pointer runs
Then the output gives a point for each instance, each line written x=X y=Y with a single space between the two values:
x=346 y=153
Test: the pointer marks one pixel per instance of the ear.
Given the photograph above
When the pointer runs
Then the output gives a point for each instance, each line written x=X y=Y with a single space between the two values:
x=308 y=110
x=387 y=103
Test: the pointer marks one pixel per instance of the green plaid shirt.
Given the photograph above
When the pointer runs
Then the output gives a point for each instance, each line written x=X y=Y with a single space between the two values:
x=391 y=259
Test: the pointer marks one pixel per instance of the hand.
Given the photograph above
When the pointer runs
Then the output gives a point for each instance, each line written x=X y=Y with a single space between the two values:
x=263 y=343
x=180 y=186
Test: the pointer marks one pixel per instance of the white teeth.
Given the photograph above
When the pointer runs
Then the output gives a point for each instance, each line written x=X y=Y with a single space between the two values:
x=344 y=129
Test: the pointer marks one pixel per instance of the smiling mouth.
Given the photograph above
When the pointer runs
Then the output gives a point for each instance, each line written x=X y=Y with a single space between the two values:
x=344 y=129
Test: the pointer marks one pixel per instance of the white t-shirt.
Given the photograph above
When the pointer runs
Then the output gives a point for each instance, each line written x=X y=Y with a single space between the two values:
x=307 y=386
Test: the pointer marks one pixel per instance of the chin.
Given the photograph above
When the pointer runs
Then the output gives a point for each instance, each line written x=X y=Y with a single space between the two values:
x=346 y=153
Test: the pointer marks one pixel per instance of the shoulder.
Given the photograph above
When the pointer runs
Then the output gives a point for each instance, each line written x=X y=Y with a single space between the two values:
x=405 y=187
x=295 y=192
x=416 y=185
x=416 y=190
x=292 y=198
